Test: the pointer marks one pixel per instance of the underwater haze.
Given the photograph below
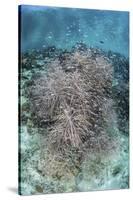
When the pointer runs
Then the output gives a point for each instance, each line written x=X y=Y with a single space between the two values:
x=63 y=27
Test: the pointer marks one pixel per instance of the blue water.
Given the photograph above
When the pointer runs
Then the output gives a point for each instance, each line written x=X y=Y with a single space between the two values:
x=63 y=27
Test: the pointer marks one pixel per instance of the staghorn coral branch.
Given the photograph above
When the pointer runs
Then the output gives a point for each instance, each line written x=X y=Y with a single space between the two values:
x=73 y=101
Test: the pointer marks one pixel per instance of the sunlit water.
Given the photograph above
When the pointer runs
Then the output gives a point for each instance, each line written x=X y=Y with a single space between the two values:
x=63 y=27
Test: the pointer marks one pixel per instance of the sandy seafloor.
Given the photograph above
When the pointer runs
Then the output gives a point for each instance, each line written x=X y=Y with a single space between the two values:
x=42 y=27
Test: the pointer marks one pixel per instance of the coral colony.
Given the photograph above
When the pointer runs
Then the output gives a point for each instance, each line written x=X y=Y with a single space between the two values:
x=73 y=120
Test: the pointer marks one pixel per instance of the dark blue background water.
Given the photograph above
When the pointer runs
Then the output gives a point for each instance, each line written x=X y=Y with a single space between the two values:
x=63 y=27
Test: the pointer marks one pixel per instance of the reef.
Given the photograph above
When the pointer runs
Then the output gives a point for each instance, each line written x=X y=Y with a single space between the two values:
x=73 y=120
